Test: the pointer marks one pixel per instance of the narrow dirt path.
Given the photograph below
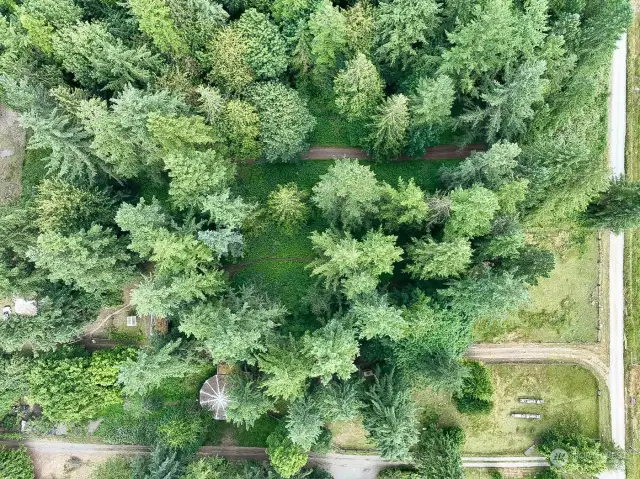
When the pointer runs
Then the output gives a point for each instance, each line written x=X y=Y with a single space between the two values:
x=442 y=152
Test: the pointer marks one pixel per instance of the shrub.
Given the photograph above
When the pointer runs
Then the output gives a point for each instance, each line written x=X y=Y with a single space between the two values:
x=286 y=457
x=15 y=464
x=112 y=468
x=286 y=206
x=393 y=473
x=477 y=389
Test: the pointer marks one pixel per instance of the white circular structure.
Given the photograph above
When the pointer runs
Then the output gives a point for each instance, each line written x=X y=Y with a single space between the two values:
x=213 y=396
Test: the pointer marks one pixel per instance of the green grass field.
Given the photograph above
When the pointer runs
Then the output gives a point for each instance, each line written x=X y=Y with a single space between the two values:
x=569 y=393
x=563 y=307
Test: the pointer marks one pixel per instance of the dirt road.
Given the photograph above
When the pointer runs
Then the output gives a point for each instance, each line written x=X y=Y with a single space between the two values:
x=443 y=152
x=342 y=466
x=617 y=132
x=587 y=355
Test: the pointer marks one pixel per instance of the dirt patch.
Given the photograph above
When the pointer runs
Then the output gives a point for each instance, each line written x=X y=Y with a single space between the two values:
x=65 y=466
x=12 y=144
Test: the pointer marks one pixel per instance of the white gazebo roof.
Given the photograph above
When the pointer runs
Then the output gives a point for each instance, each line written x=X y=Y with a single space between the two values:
x=213 y=396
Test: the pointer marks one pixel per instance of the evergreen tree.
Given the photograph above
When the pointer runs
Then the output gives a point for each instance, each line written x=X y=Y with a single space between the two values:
x=247 y=402
x=351 y=265
x=71 y=155
x=389 y=127
x=93 y=260
x=40 y=18
x=438 y=452
x=402 y=27
x=286 y=368
x=492 y=168
x=331 y=349
x=150 y=368
x=304 y=422
x=438 y=260
x=99 y=60
x=358 y=89
x=509 y=107
x=389 y=416
x=233 y=329
x=347 y=194
x=375 y=317
x=286 y=206
x=617 y=209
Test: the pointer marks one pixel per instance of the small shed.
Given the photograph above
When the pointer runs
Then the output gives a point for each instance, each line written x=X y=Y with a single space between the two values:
x=213 y=396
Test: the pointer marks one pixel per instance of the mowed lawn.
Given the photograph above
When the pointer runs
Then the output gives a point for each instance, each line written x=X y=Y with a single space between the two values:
x=569 y=392
x=563 y=307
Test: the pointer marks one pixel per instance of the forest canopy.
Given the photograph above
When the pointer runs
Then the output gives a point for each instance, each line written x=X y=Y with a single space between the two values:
x=148 y=116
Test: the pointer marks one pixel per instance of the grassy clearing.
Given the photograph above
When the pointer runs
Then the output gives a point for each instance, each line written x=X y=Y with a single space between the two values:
x=286 y=279
x=563 y=307
x=569 y=393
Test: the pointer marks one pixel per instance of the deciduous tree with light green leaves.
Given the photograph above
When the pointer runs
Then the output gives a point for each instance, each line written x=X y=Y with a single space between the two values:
x=328 y=44
x=358 y=89
x=195 y=174
x=265 y=47
x=154 y=19
x=239 y=125
x=286 y=457
x=404 y=206
x=285 y=121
